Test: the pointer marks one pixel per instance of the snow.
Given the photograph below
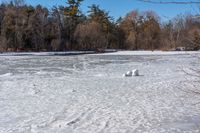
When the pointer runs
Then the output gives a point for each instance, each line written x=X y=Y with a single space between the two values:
x=5 y=75
x=87 y=94
x=152 y=53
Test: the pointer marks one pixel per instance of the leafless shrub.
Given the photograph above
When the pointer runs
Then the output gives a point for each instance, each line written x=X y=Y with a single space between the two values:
x=55 y=44
x=3 y=44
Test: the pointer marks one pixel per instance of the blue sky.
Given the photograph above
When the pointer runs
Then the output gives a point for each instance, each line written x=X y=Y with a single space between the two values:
x=119 y=8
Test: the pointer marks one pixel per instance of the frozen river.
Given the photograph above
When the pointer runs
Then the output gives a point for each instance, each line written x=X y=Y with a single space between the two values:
x=87 y=94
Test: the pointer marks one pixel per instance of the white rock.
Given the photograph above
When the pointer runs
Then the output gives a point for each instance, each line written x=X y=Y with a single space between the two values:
x=135 y=72
x=129 y=73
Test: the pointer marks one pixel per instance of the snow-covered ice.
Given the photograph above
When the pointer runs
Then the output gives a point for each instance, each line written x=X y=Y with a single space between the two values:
x=87 y=94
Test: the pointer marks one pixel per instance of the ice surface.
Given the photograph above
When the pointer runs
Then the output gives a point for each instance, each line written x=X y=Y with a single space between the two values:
x=5 y=75
x=152 y=53
x=87 y=94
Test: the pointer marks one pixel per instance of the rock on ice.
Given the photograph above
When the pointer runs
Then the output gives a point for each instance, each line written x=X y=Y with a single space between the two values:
x=134 y=72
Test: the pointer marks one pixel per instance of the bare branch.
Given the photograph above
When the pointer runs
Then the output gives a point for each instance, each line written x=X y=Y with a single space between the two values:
x=196 y=17
x=170 y=2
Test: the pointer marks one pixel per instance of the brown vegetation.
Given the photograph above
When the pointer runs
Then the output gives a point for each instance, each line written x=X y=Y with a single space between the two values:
x=28 y=28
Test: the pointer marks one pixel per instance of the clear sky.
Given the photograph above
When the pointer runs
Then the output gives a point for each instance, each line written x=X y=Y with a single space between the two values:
x=119 y=8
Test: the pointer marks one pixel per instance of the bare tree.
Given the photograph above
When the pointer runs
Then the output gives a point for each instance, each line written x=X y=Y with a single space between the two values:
x=90 y=36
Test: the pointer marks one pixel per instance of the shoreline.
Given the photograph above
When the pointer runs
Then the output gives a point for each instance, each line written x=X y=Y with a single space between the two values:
x=46 y=53
x=107 y=52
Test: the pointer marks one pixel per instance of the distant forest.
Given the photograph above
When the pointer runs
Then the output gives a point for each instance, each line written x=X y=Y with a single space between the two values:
x=27 y=28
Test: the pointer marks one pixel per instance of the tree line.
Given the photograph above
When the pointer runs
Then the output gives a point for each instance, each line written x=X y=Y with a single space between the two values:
x=28 y=28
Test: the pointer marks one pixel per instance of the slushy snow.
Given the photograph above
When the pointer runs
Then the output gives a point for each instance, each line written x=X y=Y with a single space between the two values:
x=87 y=93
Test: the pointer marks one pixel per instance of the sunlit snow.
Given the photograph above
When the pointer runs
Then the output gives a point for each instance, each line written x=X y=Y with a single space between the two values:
x=87 y=93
